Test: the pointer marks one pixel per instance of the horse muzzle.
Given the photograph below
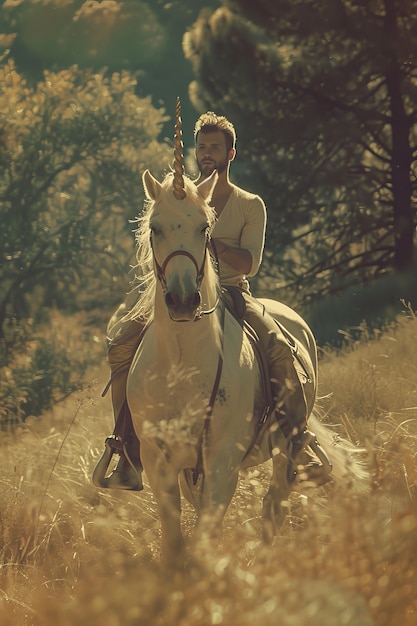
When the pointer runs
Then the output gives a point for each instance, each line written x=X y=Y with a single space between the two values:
x=183 y=307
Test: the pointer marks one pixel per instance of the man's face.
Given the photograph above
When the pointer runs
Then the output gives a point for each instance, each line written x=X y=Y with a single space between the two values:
x=211 y=153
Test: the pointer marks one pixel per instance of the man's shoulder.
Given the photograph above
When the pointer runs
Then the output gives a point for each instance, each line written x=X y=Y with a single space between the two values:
x=246 y=198
x=245 y=195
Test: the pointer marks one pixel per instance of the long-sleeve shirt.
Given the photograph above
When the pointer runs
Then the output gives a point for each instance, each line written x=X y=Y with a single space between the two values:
x=241 y=224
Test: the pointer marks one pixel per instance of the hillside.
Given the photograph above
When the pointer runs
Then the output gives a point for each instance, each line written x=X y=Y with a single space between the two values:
x=75 y=556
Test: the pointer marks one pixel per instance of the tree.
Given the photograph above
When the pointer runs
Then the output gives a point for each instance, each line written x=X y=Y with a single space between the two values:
x=324 y=100
x=71 y=154
x=72 y=149
x=140 y=36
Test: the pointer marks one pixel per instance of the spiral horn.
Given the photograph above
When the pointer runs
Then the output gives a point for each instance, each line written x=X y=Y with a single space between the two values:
x=179 y=189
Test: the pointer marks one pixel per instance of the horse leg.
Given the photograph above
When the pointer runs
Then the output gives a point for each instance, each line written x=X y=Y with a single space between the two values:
x=163 y=480
x=191 y=491
x=274 y=509
x=218 y=488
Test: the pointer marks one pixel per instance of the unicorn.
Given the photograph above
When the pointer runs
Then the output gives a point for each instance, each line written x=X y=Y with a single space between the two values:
x=196 y=387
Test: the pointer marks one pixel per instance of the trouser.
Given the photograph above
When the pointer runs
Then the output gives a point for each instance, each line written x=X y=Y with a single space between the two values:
x=287 y=391
x=121 y=351
x=288 y=395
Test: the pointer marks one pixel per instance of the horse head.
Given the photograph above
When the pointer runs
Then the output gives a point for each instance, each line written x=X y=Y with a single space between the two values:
x=180 y=225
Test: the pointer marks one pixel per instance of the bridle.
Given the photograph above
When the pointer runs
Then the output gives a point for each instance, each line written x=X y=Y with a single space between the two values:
x=160 y=271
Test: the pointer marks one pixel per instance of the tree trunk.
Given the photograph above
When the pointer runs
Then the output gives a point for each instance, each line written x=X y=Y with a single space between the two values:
x=401 y=158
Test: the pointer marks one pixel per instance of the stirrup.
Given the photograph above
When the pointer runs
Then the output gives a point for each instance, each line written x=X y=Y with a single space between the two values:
x=114 y=445
x=321 y=455
x=306 y=439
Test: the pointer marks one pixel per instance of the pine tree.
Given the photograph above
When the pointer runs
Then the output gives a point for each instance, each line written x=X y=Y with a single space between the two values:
x=323 y=95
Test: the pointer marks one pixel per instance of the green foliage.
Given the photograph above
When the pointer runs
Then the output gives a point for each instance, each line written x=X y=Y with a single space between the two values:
x=141 y=36
x=323 y=98
x=363 y=307
x=96 y=34
x=73 y=149
x=44 y=368
x=36 y=383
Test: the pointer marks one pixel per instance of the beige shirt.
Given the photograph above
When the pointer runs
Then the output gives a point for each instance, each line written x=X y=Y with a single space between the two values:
x=241 y=224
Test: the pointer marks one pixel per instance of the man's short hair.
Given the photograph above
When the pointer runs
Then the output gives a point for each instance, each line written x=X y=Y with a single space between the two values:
x=210 y=123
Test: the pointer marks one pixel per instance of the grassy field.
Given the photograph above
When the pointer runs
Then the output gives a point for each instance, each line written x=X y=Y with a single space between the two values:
x=74 y=555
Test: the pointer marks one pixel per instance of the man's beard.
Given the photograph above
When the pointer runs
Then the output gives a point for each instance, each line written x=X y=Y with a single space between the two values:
x=208 y=167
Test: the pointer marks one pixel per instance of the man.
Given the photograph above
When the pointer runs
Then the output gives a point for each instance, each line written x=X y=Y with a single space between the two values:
x=239 y=237
x=239 y=234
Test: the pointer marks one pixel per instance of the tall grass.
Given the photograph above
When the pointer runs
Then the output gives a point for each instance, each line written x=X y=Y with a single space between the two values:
x=74 y=555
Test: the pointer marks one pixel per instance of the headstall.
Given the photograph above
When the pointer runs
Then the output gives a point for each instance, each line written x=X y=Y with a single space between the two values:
x=160 y=272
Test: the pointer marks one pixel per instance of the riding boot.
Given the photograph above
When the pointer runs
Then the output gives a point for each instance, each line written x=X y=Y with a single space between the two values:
x=297 y=444
x=128 y=473
x=307 y=461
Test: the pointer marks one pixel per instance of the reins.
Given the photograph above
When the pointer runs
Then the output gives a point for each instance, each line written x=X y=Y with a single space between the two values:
x=212 y=249
x=207 y=420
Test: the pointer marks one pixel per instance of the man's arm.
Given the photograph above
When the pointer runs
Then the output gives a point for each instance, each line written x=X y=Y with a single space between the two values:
x=239 y=259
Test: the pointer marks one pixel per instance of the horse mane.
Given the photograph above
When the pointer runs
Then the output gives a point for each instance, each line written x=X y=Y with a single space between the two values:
x=144 y=281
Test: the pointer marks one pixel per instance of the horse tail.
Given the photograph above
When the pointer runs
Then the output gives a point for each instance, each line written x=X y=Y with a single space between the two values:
x=349 y=461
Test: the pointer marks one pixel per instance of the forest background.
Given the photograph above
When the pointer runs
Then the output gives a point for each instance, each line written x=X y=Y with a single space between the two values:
x=324 y=102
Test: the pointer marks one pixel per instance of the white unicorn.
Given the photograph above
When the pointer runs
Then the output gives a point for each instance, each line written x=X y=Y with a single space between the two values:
x=195 y=387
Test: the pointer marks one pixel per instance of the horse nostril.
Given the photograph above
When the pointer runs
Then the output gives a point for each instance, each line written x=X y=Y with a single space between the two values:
x=169 y=299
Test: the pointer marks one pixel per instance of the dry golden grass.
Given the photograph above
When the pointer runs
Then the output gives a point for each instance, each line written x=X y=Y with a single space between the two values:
x=74 y=555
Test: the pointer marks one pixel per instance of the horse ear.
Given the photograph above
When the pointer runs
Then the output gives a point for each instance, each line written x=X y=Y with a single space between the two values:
x=151 y=186
x=206 y=187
